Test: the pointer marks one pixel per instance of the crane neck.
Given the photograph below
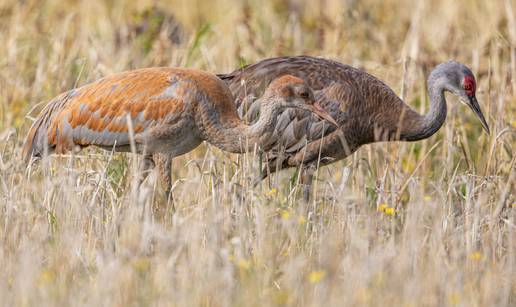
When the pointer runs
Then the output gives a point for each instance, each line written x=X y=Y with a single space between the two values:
x=233 y=135
x=424 y=126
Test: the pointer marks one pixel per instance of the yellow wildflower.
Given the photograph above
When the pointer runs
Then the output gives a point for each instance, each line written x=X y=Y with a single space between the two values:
x=475 y=256
x=454 y=298
x=316 y=276
x=389 y=211
x=244 y=264
x=46 y=276
x=285 y=214
x=301 y=220
x=141 y=264
x=272 y=192
x=382 y=207
x=427 y=198
x=281 y=297
x=386 y=209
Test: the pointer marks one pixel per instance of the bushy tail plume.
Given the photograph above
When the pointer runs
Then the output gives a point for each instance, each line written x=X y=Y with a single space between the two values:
x=33 y=146
x=36 y=141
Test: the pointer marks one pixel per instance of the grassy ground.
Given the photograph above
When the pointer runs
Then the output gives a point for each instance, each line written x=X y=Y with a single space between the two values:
x=430 y=223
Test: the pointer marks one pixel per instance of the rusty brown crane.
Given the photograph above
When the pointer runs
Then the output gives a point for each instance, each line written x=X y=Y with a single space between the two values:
x=366 y=109
x=171 y=111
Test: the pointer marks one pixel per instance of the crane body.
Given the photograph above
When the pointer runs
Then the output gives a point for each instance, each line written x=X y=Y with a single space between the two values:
x=365 y=108
x=166 y=112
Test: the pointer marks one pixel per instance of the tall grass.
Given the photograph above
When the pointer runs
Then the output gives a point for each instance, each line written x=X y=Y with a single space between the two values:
x=430 y=223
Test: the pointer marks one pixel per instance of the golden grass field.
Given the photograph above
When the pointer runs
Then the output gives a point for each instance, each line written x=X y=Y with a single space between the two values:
x=430 y=223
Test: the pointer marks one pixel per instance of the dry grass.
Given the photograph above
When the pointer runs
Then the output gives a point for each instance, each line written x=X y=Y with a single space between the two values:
x=403 y=224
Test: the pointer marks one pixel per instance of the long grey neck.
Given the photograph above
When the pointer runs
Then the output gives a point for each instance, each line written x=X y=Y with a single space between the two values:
x=426 y=125
x=237 y=137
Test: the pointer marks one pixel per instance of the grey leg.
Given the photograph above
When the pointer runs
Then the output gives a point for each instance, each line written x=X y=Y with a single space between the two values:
x=164 y=164
x=305 y=181
x=146 y=166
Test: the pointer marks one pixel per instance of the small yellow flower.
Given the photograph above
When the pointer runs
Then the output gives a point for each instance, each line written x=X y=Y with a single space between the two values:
x=379 y=279
x=141 y=264
x=244 y=264
x=475 y=256
x=272 y=192
x=386 y=209
x=46 y=276
x=389 y=211
x=382 y=207
x=427 y=198
x=454 y=298
x=514 y=123
x=316 y=276
x=285 y=214
x=281 y=297
x=301 y=220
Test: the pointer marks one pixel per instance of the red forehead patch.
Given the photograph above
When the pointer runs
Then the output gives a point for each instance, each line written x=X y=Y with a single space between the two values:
x=284 y=80
x=469 y=85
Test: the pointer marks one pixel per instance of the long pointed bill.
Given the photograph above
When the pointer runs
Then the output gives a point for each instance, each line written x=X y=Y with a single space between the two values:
x=322 y=113
x=473 y=104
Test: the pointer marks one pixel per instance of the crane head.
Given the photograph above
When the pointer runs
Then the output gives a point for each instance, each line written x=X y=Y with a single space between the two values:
x=291 y=92
x=469 y=87
x=460 y=81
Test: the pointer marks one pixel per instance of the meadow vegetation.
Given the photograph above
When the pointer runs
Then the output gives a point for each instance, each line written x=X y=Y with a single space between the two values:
x=430 y=223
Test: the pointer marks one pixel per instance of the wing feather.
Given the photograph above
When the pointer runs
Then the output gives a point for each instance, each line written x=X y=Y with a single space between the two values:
x=97 y=113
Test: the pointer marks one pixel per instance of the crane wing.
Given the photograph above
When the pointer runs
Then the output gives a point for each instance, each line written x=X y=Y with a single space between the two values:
x=98 y=113
x=319 y=73
x=295 y=128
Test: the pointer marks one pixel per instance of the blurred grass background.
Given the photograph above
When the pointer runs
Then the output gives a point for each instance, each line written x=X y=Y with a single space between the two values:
x=408 y=224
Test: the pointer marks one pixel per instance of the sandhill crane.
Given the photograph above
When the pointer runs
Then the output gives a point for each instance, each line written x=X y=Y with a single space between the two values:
x=171 y=112
x=366 y=109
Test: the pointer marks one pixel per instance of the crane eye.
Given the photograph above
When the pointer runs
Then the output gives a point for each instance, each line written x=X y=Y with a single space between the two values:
x=304 y=94
x=467 y=87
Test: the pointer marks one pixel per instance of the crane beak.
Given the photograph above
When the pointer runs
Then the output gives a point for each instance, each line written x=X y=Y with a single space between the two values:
x=320 y=112
x=473 y=104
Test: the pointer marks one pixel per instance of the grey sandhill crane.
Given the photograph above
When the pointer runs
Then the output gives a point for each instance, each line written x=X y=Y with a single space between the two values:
x=172 y=111
x=365 y=108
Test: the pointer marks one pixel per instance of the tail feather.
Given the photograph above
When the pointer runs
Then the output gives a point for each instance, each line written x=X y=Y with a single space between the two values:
x=36 y=143
x=226 y=77
x=33 y=146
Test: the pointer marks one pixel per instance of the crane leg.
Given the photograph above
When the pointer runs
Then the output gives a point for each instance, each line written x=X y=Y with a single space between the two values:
x=305 y=181
x=164 y=164
x=146 y=167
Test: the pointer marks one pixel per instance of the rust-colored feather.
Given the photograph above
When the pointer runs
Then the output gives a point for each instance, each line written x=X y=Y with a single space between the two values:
x=96 y=114
x=172 y=110
x=102 y=107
